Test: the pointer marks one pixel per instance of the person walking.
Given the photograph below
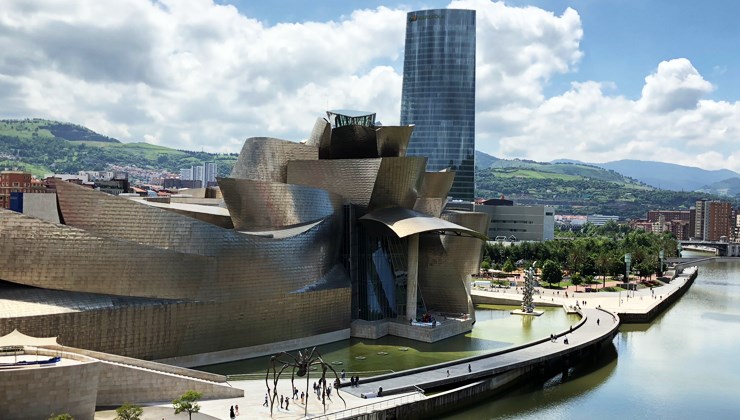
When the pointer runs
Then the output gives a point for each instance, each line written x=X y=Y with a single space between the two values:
x=287 y=400
x=232 y=416
x=469 y=368
x=281 y=402
x=236 y=409
x=265 y=403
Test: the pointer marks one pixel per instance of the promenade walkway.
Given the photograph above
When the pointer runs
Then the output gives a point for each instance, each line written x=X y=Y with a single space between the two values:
x=640 y=301
x=401 y=388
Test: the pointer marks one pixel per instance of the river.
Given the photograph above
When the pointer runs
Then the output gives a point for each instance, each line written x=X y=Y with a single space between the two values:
x=681 y=366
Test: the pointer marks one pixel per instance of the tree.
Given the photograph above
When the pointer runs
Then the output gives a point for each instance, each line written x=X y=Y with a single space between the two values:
x=65 y=416
x=603 y=260
x=187 y=403
x=129 y=412
x=508 y=266
x=576 y=280
x=551 y=272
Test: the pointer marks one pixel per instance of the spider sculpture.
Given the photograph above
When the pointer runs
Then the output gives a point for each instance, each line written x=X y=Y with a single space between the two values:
x=299 y=365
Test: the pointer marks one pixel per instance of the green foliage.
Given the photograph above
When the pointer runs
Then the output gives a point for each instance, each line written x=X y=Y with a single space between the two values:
x=65 y=416
x=187 y=403
x=576 y=280
x=129 y=412
x=508 y=267
x=595 y=251
x=42 y=147
x=551 y=272
x=578 y=189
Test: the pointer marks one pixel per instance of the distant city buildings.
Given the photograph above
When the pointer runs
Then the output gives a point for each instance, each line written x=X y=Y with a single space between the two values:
x=600 y=219
x=438 y=94
x=199 y=176
x=678 y=222
x=12 y=186
x=713 y=220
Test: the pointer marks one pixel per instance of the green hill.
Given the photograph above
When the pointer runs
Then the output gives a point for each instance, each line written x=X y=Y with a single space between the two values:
x=43 y=146
x=578 y=189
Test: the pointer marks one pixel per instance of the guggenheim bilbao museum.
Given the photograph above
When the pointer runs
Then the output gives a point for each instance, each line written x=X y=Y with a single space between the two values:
x=341 y=234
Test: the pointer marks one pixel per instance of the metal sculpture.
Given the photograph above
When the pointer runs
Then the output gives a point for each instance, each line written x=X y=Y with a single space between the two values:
x=301 y=365
x=527 y=301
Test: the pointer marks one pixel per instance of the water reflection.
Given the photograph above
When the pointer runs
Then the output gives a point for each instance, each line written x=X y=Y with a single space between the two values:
x=494 y=329
x=681 y=366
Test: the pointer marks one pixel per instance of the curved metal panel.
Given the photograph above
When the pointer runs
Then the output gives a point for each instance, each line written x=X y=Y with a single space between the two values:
x=117 y=217
x=265 y=158
x=436 y=184
x=42 y=254
x=476 y=221
x=430 y=206
x=217 y=216
x=320 y=136
x=446 y=263
x=352 y=142
x=352 y=179
x=393 y=140
x=405 y=222
x=397 y=182
x=256 y=205
x=433 y=192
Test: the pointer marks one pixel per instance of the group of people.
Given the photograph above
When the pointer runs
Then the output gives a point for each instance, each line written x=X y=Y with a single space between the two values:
x=234 y=410
x=354 y=381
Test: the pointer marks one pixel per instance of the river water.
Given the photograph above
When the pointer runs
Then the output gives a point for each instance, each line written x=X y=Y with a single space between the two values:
x=684 y=365
x=681 y=366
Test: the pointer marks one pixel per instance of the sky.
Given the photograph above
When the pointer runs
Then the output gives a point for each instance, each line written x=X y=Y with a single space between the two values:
x=592 y=80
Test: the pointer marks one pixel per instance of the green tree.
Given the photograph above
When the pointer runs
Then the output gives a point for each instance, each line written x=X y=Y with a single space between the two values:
x=576 y=280
x=129 y=412
x=187 y=403
x=603 y=261
x=508 y=266
x=65 y=416
x=551 y=272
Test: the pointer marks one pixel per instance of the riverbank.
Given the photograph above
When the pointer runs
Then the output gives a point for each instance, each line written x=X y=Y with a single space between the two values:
x=637 y=306
x=639 y=303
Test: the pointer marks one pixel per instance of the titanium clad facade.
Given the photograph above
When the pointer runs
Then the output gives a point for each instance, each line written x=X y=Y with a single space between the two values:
x=318 y=239
x=261 y=205
x=439 y=93
x=266 y=159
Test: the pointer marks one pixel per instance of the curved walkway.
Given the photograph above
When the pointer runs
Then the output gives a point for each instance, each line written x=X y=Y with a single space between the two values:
x=596 y=325
x=401 y=388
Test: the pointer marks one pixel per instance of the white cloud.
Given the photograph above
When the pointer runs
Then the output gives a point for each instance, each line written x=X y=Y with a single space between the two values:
x=675 y=85
x=195 y=75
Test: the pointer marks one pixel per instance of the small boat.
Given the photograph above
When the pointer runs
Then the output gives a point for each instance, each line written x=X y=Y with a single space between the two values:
x=360 y=357
x=337 y=362
x=383 y=353
x=403 y=349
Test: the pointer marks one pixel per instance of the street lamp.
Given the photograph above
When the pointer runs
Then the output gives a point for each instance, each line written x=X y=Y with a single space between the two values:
x=661 y=254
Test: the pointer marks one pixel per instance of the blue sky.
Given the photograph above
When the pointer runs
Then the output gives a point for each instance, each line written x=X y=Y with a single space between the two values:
x=594 y=80
x=623 y=39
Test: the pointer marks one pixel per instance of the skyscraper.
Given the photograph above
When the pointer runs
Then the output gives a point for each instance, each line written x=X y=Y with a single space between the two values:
x=439 y=93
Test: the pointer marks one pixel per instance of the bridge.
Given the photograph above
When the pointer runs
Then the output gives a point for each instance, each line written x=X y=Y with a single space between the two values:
x=724 y=249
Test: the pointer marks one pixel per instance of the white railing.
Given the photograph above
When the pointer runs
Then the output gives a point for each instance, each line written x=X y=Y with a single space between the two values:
x=369 y=408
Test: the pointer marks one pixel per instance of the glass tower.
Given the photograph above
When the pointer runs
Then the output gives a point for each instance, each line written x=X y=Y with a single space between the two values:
x=439 y=93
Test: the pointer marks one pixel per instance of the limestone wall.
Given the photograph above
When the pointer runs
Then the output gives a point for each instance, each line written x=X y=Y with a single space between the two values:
x=38 y=392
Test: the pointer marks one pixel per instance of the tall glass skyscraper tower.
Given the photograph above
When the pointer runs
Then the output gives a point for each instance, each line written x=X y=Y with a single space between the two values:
x=439 y=93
